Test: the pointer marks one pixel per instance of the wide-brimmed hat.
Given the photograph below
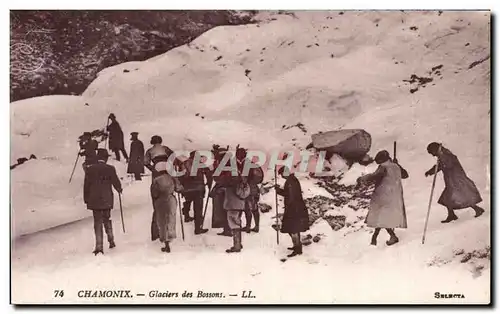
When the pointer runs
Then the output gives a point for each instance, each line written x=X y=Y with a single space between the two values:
x=134 y=133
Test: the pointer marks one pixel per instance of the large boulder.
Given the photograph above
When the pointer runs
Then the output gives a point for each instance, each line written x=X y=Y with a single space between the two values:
x=351 y=144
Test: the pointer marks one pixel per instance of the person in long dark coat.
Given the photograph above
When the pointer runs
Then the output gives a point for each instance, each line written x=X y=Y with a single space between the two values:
x=219 y=214
x=460 y=191
x=98 y=196
x=136 y=161
x=387 y=207
x=116 y=143
x=295 y=218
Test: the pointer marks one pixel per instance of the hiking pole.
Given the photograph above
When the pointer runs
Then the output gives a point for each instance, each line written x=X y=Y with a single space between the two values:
x=394 y=156
x=74 y=167
x=430 y=199
x=276 y=199
x=180 y=216
x=121 y=211
x=107 y=135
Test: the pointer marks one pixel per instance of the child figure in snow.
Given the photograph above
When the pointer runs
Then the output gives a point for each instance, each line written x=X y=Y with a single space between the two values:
x=295 y=218
x=387 y=208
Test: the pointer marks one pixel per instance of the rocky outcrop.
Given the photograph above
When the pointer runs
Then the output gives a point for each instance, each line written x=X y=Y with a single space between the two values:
x=61 y=52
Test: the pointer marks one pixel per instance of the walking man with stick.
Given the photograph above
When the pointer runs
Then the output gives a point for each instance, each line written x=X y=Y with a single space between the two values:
x=460 y=191
x=98 y=196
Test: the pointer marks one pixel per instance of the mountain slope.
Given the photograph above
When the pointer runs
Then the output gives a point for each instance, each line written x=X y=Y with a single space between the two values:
x=410 y=77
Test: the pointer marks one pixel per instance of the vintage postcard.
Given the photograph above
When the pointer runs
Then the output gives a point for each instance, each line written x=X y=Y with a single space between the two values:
x=250 y=157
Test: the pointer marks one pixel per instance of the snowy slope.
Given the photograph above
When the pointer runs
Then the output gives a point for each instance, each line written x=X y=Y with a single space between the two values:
x=241 y=85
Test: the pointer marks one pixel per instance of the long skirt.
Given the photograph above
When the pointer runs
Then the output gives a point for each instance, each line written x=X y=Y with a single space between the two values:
x=165 y=213
x=219 y=214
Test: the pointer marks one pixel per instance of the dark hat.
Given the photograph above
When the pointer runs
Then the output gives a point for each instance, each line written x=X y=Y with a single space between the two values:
x=87 y=134
x=382 y=156
x=156 y=139
x=241 y=153
x=102 y=154
x=285 y=170
x=217 y=148
x=134 y=133
x=433 y=147
x=112 y=116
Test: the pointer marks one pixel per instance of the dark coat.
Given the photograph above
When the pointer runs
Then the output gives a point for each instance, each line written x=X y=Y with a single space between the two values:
x=115 y=136
x=255 y=177
x=387 y=208
x=230 y=183
x=219 y=214
x=195 y=182
x=97 y=192
x=296 y=217
x=89 y=150
x=460 y=191
x=136 y=161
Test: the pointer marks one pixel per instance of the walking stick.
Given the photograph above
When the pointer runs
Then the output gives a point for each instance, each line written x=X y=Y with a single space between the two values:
x=276 y=199
x=107 y=135
x=121 y=211
x=430 y=199
x=76 y=161
x=394 y=155
x=180 y=216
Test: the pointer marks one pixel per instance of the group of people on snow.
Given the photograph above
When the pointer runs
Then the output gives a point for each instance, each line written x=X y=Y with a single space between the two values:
x=232 y=196
x=235 y=195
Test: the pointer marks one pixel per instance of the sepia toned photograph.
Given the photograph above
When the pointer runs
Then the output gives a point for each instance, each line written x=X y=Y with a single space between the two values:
x=245 y=157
